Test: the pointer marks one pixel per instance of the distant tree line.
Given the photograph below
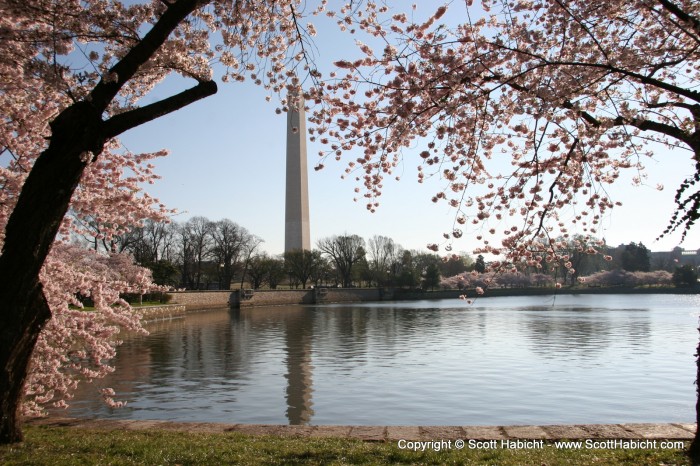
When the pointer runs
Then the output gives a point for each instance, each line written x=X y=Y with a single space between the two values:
x=196 y=254
x=349 y=260
x=624 y=265
x=204 y=254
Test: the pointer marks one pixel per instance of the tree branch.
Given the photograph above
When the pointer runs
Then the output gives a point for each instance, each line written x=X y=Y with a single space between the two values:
x=655 y=126
x=546 y=209
x=587 y=117
x=634 y=75
x=692 y=140
x=133 y=118
x=124 y=69
x=676 y=11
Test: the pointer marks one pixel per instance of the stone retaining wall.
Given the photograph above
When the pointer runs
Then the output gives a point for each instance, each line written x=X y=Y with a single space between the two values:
x=201 y=299
x=195 y=300
x=246 y=298
x=619 y=432
x=162 y=312
x=346 y=295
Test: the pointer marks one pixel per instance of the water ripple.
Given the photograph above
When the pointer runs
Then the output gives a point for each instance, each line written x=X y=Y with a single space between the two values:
x=571 y=359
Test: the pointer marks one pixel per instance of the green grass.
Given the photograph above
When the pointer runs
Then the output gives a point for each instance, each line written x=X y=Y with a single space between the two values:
x=143 y=304
x=74 y=446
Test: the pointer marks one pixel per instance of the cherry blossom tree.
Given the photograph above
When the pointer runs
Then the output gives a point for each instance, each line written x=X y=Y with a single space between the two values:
x=58 y=129
x=73 y=75
x=459 y=281
x=529 y=112
x=77 y=344
x=619 y=277
x=471 y=279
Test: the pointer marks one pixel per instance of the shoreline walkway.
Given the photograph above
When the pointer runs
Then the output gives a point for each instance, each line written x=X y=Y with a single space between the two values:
x=645 y=431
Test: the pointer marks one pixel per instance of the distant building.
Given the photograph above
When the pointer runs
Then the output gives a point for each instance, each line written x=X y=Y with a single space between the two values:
x=669 y=260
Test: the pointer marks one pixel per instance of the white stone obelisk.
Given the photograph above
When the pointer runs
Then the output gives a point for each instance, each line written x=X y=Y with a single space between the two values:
x=296 y=230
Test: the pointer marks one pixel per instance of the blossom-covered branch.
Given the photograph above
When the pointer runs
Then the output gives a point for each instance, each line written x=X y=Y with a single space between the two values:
x=73 y=74
x=519 y=99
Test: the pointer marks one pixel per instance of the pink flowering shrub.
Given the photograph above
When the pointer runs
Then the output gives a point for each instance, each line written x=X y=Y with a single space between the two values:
x=77 y=345
x=619 y=277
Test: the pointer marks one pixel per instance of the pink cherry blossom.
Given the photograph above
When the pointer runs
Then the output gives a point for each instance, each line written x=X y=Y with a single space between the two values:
x=529 y=111
x=74 y=76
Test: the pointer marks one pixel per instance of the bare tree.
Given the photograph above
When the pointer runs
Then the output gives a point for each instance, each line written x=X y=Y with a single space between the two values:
x=302 y=265
x=195 y=248
x=229 y=248
x=345 y=251
x=264 y=269
x=153 y=242
x=250 y=246
x=382 y=252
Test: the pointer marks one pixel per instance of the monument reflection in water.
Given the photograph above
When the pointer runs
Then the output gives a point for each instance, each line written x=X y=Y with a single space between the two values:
x=536 y=360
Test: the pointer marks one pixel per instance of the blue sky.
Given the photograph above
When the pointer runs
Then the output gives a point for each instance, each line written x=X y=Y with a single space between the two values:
x=227 y=160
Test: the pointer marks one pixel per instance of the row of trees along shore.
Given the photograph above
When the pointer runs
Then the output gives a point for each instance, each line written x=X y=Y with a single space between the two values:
x=529 y=112
x=629 y=265
x=203 y=254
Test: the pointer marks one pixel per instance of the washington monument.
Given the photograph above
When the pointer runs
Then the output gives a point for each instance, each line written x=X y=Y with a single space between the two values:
x=296 y=215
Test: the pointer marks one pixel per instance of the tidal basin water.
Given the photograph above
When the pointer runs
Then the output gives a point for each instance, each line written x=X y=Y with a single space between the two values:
x=499 y=361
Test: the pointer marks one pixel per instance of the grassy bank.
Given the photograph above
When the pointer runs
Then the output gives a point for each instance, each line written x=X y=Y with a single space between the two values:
x=73 y=446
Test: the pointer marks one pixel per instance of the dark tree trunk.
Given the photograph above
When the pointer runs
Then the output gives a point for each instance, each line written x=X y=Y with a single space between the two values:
x=77 y=138
x=16 y=345
x=30 y=231
x=695 y=445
